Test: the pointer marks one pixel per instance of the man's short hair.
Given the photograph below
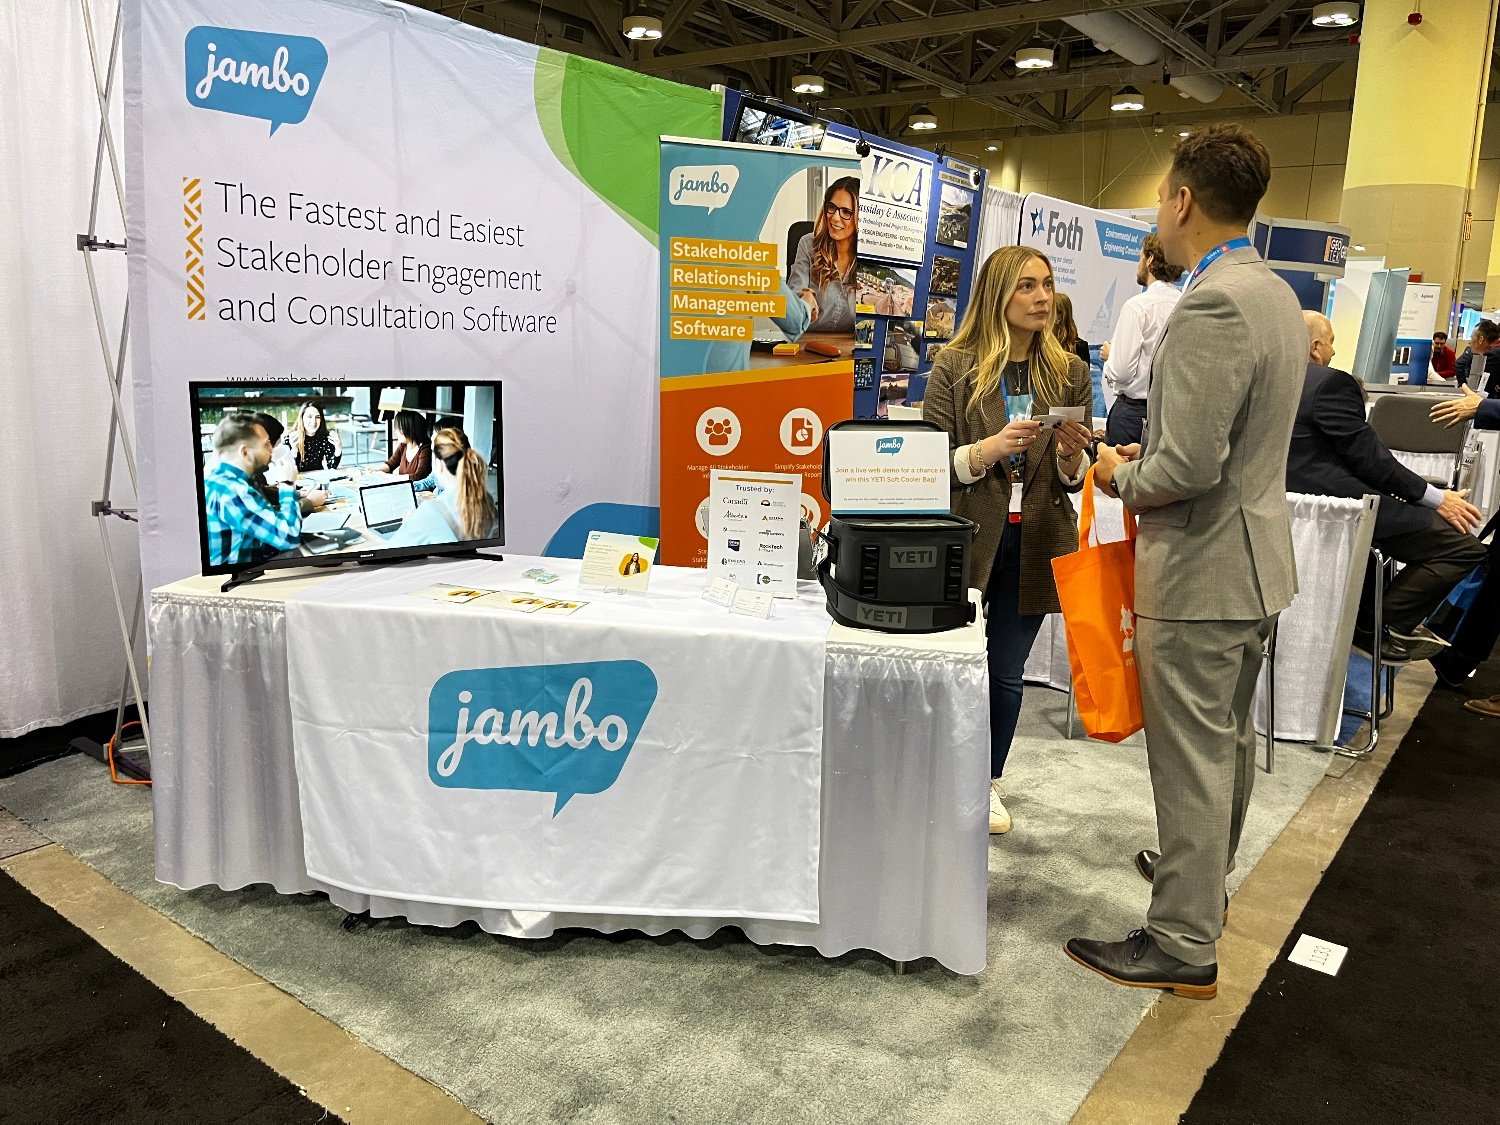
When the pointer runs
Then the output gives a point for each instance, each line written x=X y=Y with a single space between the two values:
x=235 y=429
x=1226 y=169
x=1489 y=330
x=1440 y=335
x=1156 y=261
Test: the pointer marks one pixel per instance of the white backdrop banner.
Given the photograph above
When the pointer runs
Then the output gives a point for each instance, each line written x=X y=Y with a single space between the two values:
x=1094 y=254
x=357 y=190
x=597 y=762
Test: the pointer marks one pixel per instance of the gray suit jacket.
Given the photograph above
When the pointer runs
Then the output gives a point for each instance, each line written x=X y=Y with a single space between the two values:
x=1215 y=539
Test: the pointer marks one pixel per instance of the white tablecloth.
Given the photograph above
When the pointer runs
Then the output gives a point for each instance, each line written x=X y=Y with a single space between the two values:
x=903 y=868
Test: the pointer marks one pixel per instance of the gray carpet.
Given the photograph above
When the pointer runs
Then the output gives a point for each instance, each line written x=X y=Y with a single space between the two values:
x=590 y=1029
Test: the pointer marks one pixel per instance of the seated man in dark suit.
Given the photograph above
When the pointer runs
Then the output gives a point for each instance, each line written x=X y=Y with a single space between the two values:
x=1335 y=452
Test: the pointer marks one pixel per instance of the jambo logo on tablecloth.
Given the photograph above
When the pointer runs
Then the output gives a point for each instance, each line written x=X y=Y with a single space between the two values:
x=253 y=73
x=547 y=728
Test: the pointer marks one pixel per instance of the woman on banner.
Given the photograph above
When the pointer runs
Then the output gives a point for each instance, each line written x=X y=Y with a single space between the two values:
x=463 y=509
x=1002 y=371
x=314 y=445
x=823 y=271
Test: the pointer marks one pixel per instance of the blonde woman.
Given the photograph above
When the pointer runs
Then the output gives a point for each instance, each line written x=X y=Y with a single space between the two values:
x=1003 y=370
x=822 y=273
x=463 y=508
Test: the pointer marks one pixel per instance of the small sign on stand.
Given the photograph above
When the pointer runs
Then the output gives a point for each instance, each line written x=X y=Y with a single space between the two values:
x=754 y=520
x=618 y=562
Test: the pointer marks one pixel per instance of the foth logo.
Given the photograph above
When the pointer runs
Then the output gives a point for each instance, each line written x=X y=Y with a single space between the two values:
x=253 y=73
x=562 y=729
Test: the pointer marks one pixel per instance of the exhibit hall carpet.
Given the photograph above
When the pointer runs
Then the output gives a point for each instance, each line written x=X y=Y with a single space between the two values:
x=589 y=1027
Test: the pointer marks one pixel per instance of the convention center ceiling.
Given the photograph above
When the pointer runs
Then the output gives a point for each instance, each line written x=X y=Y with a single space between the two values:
x=1036 y=66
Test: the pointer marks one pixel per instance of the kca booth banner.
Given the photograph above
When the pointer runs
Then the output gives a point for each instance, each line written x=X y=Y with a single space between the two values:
x=757 y=321
x=356 y=191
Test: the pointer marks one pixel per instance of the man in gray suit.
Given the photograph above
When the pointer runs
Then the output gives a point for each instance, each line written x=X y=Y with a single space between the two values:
x=1214 y=561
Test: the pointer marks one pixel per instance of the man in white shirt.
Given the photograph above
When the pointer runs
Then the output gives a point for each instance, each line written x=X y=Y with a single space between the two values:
x=1127 y=357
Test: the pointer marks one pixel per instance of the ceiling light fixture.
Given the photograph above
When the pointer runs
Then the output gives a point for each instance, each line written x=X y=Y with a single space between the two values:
x=638 y=26
x=1184 y=132
x=922 y=120
x=1128 y=100
x=1035 y=58
x=807 y=84
x=1335 y=15
x=991 y=148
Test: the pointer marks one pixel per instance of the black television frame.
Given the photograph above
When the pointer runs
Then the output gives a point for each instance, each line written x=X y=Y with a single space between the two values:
x=297 y=391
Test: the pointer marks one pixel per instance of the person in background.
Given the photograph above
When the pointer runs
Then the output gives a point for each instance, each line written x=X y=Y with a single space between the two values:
x=463 y=508
x=1336 y=452
x=283 y=468
x=823 y=271
x=314 y=445
x=1213 y=557
x=1443 y=359
x=1484 y=345
x=1009 y=473
x=1127 y=357
x=246 y=523
x=1067 y=331
x=412 y=455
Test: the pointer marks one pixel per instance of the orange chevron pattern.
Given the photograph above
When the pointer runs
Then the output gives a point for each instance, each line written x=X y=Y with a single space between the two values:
x=192 y=214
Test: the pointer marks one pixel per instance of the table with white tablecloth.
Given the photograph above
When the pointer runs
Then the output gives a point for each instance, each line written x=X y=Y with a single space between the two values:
x=902 y=865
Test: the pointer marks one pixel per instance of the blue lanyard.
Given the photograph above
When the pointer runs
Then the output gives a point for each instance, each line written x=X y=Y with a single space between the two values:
x=1214 y=255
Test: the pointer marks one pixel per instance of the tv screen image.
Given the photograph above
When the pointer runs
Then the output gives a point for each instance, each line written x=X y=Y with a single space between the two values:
x=313 y=473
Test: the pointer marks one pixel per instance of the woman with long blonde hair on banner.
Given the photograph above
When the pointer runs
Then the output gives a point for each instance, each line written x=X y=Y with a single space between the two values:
x=1002 y=371
x=463 y=508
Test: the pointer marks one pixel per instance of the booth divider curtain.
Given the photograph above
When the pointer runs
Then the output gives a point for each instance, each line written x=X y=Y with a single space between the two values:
x=63 y=656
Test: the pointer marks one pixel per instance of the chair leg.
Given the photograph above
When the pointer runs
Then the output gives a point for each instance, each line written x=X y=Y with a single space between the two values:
x=1072 y=709
x=1377 y=711
x=1270 y=666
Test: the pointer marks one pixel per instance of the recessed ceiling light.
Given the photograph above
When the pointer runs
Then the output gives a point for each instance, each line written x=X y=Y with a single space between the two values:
x=1184 y=132
x=1035 y=58
x=922 y=120
x=1128 y=100
x=641 y=26
x=991 y=148
x=1335 y=15
x=1361 y=249
x=807 y=84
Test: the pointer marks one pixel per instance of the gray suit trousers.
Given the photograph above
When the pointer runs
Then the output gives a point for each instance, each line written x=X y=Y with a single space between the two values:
x=1197 y=688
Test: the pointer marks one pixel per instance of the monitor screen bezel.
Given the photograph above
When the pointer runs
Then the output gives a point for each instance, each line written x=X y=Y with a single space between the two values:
x=374 y=554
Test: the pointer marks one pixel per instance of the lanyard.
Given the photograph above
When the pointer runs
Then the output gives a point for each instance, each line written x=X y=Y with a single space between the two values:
x=1214 y=255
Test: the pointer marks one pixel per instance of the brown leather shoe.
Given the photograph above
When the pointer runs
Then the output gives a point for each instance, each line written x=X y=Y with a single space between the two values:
x=1489 y=708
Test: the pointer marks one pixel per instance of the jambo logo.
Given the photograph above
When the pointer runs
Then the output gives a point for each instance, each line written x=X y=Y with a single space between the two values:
x=253 y=73
x=563 y=729
x=889 y=444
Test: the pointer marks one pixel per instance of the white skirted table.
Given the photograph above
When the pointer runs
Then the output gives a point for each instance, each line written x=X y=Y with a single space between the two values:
x=905 y=760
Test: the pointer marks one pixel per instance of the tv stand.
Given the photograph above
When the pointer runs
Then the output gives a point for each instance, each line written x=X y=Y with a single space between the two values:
x=240 y=577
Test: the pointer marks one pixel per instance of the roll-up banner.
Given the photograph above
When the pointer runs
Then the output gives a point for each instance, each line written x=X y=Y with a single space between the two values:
x=1094 y=256
x=757 y=321
x=359 y=190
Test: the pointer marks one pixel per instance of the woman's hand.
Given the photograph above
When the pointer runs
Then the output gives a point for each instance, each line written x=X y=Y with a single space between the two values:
x=1016 y=438
x=810 y=299
x=338 y=444
x=1072 y=439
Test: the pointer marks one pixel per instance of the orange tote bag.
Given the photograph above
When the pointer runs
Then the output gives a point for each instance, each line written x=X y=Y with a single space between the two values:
x=1096 y=585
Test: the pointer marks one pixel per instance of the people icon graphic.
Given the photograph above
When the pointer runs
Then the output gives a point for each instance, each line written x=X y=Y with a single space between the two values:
x=718 y=431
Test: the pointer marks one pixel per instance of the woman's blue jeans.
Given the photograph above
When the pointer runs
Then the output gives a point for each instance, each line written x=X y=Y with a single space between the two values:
x=1009 y=635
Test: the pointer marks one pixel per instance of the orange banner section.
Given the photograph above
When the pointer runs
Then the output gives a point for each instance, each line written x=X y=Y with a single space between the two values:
x=727 y=304
x=715 y=328
x=767 y=420
x=721 y=251
x=724 y=277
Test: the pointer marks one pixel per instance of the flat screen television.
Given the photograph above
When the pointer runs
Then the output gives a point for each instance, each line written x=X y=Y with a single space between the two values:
x=322 y=473
x=760 y=125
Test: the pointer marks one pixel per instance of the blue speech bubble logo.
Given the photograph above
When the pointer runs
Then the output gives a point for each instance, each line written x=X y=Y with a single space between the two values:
x=889 y=444
x=253 y=73
x=544 y=728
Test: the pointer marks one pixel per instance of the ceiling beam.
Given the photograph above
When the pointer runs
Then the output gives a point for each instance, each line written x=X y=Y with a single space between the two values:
x=814 y=34
x=1190 y=51
x=1268 y=15
x=1308 y=84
